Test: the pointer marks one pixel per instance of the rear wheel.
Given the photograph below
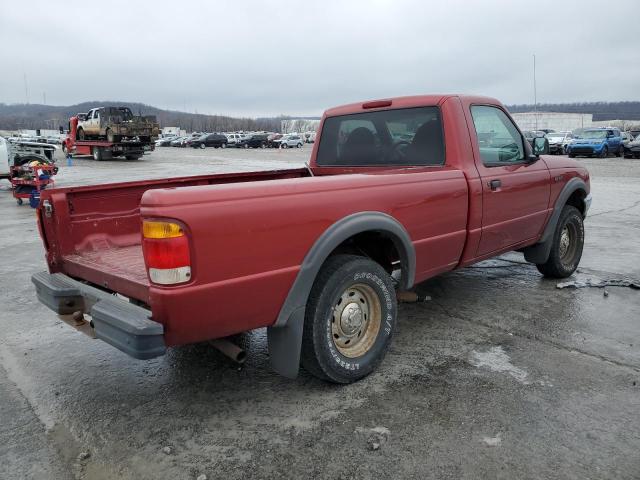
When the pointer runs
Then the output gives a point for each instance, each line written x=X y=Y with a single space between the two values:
x=566 y=249
x=349 y=320
x=224 y=145
x=202 y=145
x=97 y=154
x=284 y=145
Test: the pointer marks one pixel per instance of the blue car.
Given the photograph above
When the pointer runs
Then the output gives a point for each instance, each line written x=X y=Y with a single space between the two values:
x=596 y=142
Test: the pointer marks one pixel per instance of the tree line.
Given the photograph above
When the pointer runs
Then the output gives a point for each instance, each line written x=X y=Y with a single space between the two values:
x=35 y=116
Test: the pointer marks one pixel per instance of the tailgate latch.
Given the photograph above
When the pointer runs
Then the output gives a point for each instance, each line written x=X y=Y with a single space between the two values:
x=48 y=209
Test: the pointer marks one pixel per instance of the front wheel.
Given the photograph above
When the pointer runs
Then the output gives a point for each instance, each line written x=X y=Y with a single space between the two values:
x=284 y=145
x=203 y=146
x=566 y=249
x=605 y=152
x=349 y=319
x=619 y=151
x=224 y=145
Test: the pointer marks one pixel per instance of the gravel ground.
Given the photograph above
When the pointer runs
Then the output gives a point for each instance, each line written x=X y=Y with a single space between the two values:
x=499 y=375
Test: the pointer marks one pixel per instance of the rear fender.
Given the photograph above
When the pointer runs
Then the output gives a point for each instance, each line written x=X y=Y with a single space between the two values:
x=285 y=336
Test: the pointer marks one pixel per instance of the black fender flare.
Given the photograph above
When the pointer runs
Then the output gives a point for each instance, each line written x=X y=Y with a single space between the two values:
x=539 y=253
x=285 y=336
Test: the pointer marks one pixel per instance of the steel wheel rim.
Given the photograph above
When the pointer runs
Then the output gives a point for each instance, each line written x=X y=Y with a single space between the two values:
x=568 y=243
x=356 y=320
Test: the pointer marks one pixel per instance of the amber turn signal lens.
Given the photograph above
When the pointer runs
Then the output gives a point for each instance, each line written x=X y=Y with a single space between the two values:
x=161 y=230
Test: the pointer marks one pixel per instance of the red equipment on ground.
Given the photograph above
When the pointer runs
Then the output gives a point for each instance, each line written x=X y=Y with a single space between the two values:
x=29 y=179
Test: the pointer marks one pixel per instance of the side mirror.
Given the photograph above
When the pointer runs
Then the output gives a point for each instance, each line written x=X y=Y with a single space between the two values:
x=540 y=146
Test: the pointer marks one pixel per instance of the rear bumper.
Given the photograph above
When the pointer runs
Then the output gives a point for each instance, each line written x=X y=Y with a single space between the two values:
x=115 y=321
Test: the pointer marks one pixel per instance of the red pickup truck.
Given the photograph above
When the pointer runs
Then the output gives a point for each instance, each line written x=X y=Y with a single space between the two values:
x=396 y=191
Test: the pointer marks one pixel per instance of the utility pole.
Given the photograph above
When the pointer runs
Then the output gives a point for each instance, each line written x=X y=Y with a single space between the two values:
x=26 y=88
x=535 y=92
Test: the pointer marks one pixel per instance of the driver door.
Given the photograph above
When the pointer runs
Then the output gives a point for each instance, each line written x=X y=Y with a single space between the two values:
x=515 y=192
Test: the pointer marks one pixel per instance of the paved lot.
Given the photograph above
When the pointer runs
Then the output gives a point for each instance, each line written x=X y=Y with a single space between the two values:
x=499 y=375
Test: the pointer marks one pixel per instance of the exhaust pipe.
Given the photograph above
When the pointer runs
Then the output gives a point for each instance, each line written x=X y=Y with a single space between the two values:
x=230 y=350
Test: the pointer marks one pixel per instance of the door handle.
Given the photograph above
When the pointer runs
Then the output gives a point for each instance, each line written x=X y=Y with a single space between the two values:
x=494 y=184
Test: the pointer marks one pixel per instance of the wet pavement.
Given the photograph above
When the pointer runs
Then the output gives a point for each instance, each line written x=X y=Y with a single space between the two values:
x=498 y=375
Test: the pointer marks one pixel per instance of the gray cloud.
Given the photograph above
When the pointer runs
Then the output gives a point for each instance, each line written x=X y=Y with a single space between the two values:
x=265 y=58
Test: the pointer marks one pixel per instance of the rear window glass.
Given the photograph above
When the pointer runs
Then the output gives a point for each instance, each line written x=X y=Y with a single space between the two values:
x=409 y=136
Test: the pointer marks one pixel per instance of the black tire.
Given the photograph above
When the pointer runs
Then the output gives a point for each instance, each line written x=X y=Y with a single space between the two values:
x=223 y=145
x=571 y=155
x=80 y=134
x=132 y=157
x=619 y=151
x=605 y=152
x=97 y=154
x=19 y=201
x=373 y=292
x=564 y=259
x=202 y=145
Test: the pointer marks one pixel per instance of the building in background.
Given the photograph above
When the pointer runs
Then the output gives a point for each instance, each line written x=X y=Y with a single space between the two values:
x=553 y=120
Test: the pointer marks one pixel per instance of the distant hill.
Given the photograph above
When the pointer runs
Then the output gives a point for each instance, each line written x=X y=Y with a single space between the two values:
x=600 y=110
x=32 y=116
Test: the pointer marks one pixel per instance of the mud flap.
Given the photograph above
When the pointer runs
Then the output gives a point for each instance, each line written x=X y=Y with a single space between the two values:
x=285 y=344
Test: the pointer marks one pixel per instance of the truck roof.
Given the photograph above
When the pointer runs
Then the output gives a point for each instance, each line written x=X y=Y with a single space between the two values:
x=404 y=102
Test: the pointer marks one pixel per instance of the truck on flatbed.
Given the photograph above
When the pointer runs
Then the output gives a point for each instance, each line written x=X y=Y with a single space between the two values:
x=116 y=123
x=131 y=149
x=396 y=192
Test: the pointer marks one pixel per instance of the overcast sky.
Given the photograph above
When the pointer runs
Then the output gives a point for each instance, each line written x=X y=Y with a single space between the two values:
x=260 y=58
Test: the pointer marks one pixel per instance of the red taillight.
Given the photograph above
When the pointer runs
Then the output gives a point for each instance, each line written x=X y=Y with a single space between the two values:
x=166 y=252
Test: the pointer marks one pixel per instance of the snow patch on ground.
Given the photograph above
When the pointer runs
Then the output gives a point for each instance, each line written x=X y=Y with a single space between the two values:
x=492 y=441
x=497 y=360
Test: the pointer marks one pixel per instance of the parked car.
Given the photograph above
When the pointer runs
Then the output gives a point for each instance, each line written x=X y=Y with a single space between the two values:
x=178 y=142
x=319 y=250
x=215 y=140
x=600 y=142
x=627 y=137
x=558 y=142
x=257 y=140
x=290 y=141
x=632 y=148
x=165 y=142
x=273 y=140
x=233 y=139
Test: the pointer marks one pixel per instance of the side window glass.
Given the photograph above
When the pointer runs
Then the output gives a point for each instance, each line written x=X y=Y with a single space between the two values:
x=499 y=141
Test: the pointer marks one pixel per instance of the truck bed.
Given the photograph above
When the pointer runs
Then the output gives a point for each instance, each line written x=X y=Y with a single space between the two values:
x=93 y=232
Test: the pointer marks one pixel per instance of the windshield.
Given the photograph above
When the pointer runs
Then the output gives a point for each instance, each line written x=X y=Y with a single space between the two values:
x=595 y=134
